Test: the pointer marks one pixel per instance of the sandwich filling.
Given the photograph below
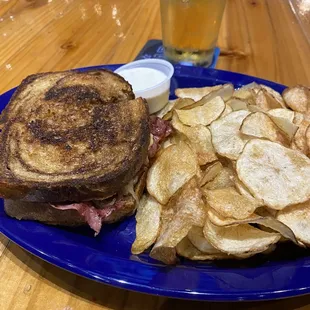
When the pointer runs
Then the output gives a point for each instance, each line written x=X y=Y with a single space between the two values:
x=160 y=129
x=94 y=217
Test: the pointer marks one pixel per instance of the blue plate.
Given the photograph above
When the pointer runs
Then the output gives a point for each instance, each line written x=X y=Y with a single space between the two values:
x=107 y=258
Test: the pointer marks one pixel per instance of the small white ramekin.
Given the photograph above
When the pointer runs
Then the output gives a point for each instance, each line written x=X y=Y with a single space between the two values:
x=157 y=95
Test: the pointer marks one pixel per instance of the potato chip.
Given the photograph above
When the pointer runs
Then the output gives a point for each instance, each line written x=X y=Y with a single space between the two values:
x=202 y=115
x=196 y=93
x=265 y=101
x=308 y=140
x=294 y=147
x=283 y=113
x=270 y=249
x=166 y=112
x=189 y=201
x=196 y=237
x=224 y=178
x=299 y=139
x=298 y=118
x=244 y=191
x=210 y=172
x=298 y=99
x=226 y=137
x=277 y=175
x=285 y=125
x=167 y=108
x=260 y=125
x=199 y=137
x=188 y=210
x=254 y=108
x=276 y=225
x=247 y=92
x=225 y=92
x=297 y=217
x=227 y=110
x=148 y=224
x=183 y=102
x=241 y=240
x=266 y=221
x=166 y=143
x=176 y=165
x=237 y=104
x=274 y=94
x=229 y=203
x=219 y=220
x=167 y=214
x=226 y=162
x=265 y=211
x=186 y=249
x=167 y=116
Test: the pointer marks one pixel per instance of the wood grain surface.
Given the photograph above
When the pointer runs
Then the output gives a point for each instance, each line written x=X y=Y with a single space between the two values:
x=269 y=39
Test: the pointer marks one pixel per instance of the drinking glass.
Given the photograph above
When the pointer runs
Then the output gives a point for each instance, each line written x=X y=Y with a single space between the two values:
x=190 y=30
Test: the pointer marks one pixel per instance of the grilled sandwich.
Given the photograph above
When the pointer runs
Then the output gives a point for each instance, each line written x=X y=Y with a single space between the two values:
x=73 y=149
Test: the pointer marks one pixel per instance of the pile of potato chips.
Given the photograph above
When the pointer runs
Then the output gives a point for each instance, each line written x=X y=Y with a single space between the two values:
x=233 y=180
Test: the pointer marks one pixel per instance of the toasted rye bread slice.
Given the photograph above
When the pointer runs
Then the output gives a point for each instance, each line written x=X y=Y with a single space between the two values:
x=37 y=87
x=43 y=212
x=71 y=136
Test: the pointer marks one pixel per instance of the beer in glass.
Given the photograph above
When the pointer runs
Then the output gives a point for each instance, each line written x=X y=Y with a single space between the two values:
x=190 y=29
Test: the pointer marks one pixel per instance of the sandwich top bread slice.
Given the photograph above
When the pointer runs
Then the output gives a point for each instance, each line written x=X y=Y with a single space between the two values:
x=72 y=136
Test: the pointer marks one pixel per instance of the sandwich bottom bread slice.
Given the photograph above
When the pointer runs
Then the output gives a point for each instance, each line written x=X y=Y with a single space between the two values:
x=92 y=213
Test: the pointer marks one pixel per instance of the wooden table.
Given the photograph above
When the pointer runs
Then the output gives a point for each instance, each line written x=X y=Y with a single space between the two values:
x=269 y=39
